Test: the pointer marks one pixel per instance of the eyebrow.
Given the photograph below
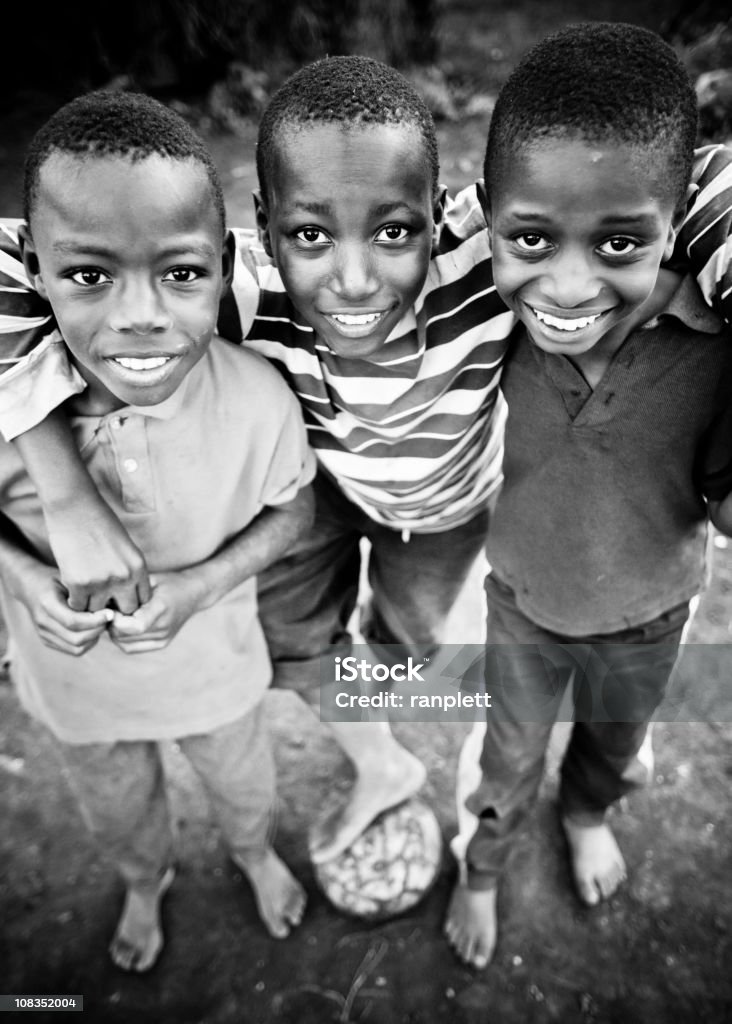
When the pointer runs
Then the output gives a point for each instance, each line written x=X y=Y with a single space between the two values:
x=325 y=209
x=614 y=219
x=68 y=248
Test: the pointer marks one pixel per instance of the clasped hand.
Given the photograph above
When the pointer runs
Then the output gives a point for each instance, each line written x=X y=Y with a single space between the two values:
x=175 y=597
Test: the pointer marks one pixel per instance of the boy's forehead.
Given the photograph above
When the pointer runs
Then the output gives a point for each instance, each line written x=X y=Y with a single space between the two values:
x=88 y=190
x=613 y=171
x=328 y=159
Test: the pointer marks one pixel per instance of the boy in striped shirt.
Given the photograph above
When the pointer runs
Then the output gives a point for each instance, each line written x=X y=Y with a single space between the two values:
x=373 y=295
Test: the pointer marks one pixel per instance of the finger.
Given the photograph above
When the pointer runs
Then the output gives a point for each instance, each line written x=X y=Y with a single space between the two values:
x=61 y=617
x=75 y=647
x=98 y=599
x=127 y=598
x=77 y=598
x=127 y=626
x=141 y=646
x=144 y=589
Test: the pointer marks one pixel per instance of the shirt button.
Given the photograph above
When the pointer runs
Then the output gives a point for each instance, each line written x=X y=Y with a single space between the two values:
x=130 y=465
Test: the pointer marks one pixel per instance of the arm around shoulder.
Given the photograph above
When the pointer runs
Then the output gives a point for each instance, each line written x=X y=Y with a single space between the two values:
x=704 y=241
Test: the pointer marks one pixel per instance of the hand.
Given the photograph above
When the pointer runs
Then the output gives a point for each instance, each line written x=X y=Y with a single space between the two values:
x=58 y=626
x=176 y=596
x=98 y=563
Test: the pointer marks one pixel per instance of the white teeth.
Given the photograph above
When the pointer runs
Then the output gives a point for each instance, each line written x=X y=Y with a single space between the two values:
x=355 y=319
x=563 y=324
x=138 y=363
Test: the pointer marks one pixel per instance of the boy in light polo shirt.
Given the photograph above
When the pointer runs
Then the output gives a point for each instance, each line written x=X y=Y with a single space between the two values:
x=373 y=297
x=199 y=448
x=618 y=445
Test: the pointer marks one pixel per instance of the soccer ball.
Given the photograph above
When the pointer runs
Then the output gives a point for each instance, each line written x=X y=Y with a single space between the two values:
x=389 y=868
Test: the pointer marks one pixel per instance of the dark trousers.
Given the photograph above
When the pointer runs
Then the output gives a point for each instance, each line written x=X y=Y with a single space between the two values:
x=617 y=682
x=307 y=598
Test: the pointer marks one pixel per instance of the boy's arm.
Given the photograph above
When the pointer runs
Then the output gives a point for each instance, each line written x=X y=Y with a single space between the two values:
x=97 y=561
x=704 y=241
x=179 y=595
x=38 y=587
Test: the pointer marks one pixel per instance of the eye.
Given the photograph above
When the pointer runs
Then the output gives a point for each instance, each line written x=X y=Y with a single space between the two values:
x=183 y=275
x=89 y=276
x=311 y=236
x=392 y=233
x=618 y=246
x=530 y=242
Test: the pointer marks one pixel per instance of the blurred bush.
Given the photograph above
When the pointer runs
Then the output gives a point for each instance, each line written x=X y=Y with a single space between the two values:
x=702 y=34
x=181 y=47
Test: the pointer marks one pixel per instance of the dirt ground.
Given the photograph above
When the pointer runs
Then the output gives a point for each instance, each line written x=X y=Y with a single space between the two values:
x=659 y=952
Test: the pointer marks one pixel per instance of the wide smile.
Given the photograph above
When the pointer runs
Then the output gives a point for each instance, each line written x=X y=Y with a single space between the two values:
x=142 y=370
x=566 y=328
x=356 y=325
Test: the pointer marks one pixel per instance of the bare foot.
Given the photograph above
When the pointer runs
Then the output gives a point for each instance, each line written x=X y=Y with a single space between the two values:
x=470 y=925
x=139 y=938
x=380 y=784
x=597 y=863
x=279 y=896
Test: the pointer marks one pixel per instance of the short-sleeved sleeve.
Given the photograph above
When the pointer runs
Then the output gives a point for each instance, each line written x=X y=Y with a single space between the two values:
x=293 y=463
x=704 y=244
x=35 y=374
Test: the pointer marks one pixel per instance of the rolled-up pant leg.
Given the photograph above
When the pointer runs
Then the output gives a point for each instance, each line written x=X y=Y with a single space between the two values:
x=527 y=671
x=513 y=755
x=120 y=788
x=604 y=759
x=236 y=766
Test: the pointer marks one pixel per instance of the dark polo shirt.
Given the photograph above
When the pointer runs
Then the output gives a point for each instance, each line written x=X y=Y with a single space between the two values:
x=601 y=522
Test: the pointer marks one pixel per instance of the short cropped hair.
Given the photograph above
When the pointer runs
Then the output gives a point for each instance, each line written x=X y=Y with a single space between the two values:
x=352 y=92
x=599 y=82
x=122 y=124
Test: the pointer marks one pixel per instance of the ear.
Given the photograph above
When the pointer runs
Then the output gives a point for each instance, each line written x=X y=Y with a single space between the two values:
x=438 y=216
x=673 y=229
x=228 y=255
x=484 y=201
x=30 y=260
x=262 y=216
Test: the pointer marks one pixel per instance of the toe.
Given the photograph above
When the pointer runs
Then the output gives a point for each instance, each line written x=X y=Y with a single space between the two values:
x=588 y=892
x=279 y=930
x=296 y=909
x=123 y=954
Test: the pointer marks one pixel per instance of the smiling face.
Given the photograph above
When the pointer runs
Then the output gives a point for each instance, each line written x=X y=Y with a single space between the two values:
x=349 y=220
x=579 y=231
x=130 y=256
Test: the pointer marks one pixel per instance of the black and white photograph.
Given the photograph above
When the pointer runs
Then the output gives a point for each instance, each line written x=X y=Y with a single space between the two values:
x=366 y=512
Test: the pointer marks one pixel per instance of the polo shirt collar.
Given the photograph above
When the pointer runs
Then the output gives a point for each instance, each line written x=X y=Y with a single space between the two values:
x=687 y=305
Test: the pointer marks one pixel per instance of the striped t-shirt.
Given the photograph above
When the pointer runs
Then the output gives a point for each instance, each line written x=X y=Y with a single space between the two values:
x=413 y=435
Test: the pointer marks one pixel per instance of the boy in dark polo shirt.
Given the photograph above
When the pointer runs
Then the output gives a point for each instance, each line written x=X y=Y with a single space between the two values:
x=618 y=442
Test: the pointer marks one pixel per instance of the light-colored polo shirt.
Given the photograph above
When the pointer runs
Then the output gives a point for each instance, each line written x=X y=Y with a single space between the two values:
x=601 y=523
x=183 y=477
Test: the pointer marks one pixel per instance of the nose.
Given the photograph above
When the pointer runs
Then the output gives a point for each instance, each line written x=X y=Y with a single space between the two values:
x=354 y=275
x=571 y=279
x=139 y=309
